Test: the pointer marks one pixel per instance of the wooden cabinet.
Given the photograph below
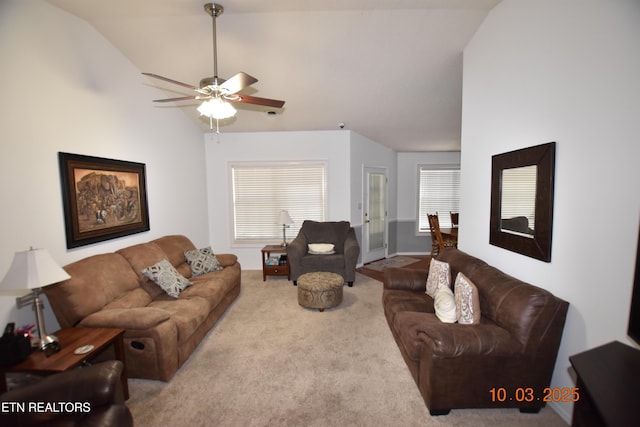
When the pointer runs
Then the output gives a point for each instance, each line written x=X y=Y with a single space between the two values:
x=608 y=380
x=274 y=263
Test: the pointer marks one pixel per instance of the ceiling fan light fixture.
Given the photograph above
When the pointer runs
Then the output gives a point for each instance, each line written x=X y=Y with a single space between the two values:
x=216 y=108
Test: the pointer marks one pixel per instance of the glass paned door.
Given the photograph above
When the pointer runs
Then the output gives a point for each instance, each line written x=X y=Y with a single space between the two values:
x=375 y=215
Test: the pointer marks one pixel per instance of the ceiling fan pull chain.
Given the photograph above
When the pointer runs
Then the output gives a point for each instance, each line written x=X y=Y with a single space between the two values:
x=217 y=125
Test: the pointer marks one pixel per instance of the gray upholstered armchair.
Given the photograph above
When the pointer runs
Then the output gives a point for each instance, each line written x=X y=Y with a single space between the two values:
x=342 y=262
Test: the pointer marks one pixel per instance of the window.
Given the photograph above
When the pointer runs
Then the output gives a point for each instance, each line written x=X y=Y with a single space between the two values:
x=438 y=191
x=261 y=190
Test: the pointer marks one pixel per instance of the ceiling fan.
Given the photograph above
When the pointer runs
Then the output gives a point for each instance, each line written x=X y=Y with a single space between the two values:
x=218 y=94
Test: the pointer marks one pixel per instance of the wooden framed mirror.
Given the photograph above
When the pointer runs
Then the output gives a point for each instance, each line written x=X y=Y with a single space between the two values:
x=522 y=200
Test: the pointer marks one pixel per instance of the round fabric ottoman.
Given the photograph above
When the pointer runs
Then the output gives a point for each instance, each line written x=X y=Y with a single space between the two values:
x=320 y=290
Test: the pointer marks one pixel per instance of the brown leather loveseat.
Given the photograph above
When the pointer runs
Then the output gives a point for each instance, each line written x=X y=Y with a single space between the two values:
x=505 y=360
x=161 y=331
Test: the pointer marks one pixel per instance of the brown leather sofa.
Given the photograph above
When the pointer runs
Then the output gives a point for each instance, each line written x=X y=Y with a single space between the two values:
x=514 y=347
x=87 y=396
x=342 y=262
x=109 y=290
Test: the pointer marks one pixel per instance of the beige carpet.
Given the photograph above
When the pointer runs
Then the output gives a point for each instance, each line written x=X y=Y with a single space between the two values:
x=397 y=261
x=270 y=362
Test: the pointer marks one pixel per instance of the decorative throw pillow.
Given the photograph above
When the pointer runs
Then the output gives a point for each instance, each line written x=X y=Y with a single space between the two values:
x=439 y=276
x=167 y=277
x=445 y=305
x=321 y=248
x=467 y=301
x=202 y=261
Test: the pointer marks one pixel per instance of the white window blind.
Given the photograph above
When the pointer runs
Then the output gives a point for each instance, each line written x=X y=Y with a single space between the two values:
x=261 y=191
x=439 y=191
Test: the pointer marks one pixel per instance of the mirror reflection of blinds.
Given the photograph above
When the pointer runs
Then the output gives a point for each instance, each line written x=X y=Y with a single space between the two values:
x=439 y=191
x=261 y=191
x=519 y=193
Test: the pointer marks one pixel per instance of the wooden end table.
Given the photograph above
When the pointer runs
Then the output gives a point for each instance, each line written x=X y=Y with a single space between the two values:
x=608 y=378
x=70 y=339
x=274 y=270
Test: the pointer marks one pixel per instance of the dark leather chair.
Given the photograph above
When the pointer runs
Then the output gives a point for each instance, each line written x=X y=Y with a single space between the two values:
x=87 y=396
x=342 y=262
x=519 y=224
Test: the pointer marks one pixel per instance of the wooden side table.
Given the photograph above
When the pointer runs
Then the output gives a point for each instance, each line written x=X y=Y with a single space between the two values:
x=70 y=339
x=274 y=270
x=608 y=378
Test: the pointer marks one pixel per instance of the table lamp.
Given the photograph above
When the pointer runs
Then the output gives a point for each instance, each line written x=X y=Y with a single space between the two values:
x=34 y=269
x=285 y=219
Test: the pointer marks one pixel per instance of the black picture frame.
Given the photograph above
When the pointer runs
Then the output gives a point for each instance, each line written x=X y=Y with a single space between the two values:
x=102 y=198
x=538 y=244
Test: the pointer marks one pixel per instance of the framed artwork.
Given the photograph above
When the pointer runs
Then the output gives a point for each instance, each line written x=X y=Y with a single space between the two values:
x=103 y=198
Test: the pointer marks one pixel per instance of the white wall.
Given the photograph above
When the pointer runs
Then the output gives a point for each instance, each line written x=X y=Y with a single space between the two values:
x=408 y=164
x=345 y=152
x=408 y=241
x=564 y=71
x=65 y=88
x=367 y=153
x=222 y=149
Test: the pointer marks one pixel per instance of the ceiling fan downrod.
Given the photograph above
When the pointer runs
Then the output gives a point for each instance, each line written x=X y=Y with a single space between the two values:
x=214 y=10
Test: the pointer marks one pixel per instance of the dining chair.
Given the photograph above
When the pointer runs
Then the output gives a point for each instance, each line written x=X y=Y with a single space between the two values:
x=454 y=218
x=438 y=242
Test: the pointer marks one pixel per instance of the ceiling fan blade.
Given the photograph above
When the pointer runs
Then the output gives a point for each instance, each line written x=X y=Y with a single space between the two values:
x=257 y=101
x=180 y=98
x=155 y=76
x=238 y=82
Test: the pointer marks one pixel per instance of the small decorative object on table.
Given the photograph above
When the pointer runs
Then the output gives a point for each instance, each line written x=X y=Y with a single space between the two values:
x=272 y=260
x=14 y=347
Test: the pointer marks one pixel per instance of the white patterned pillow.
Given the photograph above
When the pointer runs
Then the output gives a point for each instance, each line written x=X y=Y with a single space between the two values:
x=321 y=248
x=202 y=261
x=439 y=276
x=467 y=301
x=167 y=277
x=445 y=305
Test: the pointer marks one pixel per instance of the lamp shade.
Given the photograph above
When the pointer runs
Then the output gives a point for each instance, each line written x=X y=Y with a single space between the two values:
x=33 y=269
x=217 y=108
x=284 y=218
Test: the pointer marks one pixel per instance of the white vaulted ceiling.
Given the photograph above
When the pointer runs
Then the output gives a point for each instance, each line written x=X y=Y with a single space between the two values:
x=389 y=70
